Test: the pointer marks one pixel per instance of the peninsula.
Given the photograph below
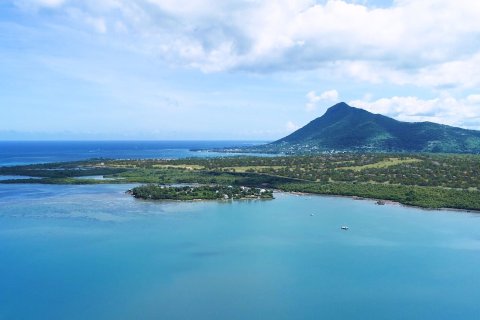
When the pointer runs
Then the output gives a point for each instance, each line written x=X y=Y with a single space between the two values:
x=423 y=180
x=215 y=192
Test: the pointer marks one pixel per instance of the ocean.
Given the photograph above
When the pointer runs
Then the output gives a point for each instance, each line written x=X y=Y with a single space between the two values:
x=94 y=252
x=30 y=152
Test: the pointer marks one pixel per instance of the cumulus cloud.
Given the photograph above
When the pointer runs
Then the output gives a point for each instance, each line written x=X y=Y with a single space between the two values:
x=461 y=72
x=411 y=42
x=291 y=126
x=313 y=99
x=463 y=112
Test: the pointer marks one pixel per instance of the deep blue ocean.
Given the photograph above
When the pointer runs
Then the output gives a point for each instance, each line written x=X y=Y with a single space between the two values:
x=28 y=152
x=94 y=252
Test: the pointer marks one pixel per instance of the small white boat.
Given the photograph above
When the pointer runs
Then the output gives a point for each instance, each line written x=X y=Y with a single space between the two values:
x=344 y=227
x=311 y=214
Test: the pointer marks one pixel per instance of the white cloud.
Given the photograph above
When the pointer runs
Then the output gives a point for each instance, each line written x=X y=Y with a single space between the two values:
x=291 y=126
x=464 y=112
x=98 y=24
x=313 y=99
x=51 y=3
x=426 y=43
x=461 y=73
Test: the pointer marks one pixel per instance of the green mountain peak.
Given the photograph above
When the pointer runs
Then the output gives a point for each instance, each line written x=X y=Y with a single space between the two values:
x=345 y=128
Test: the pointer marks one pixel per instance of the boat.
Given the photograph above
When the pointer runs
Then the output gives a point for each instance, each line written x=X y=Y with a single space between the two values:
x=344 y=227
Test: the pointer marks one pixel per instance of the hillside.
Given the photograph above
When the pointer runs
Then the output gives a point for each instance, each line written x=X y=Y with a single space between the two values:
x=345 y=128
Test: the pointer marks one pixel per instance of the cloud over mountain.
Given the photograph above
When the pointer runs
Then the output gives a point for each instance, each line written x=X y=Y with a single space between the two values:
x=236 y=63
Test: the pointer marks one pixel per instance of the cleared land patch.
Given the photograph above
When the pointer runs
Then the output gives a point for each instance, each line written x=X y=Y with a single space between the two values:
x=389 y=162
x=179 y=166
x=252 y=168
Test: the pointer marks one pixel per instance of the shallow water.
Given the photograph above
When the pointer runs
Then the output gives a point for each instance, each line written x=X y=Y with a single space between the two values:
x=93 y=252
x=8 y=177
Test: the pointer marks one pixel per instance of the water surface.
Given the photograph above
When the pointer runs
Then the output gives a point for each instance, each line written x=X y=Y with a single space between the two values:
x=93 y=252
x=30 y=152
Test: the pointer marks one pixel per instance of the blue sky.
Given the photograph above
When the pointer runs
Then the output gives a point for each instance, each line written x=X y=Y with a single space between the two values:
x=243 y=70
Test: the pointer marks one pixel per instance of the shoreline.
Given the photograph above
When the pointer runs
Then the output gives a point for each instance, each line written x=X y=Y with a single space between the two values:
x=297 y=193
x=202 y=200
x=199 y=193
x=386 y=202
x=454 y=186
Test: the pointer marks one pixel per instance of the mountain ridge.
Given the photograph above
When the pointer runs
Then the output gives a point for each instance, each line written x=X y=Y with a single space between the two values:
x=346 y=128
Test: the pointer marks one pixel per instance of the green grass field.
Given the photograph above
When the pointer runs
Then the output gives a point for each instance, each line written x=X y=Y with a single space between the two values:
x=388 y=162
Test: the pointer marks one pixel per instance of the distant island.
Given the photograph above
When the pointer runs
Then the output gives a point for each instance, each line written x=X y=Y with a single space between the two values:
x=347 y=129
x=218 y=192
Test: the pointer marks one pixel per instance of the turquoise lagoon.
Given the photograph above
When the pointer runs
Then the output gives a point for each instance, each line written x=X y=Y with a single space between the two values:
x=93 y=252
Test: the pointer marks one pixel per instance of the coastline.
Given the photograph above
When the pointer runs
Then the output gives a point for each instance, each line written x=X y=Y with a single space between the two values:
x=198 y=193
x=298 y=193
x=202 y=200
x=386 y=202
x=389 y=178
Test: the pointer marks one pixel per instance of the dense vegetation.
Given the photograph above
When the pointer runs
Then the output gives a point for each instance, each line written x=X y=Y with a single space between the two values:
x=425 y=197
x=160 y=192
x=60 y=170
x=426 y=180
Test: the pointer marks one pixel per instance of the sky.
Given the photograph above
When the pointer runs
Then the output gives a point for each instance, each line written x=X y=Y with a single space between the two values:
x=231 y=70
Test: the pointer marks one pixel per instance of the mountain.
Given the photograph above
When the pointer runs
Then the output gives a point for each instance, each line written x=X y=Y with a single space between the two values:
x=345 y=128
